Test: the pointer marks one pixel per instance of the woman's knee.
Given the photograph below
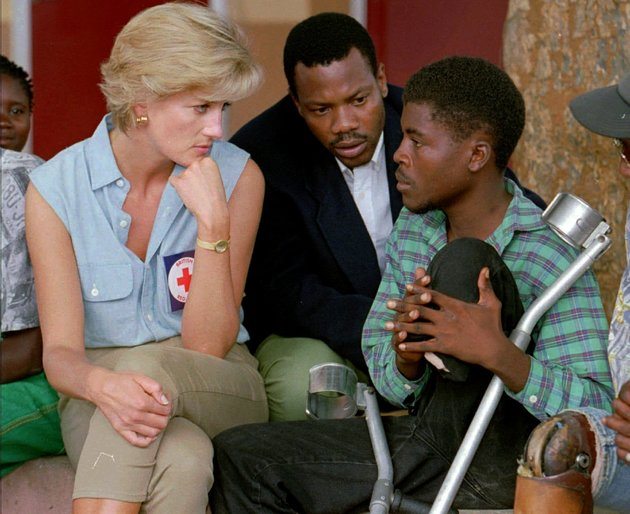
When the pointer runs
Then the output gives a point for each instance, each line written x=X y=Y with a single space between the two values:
x=183 y=472
x=145 y=360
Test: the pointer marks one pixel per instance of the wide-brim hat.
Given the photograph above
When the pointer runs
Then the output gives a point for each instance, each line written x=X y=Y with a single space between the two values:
x=605 y=111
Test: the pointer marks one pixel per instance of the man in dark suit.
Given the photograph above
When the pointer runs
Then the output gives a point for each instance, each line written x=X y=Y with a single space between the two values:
x=326 y=150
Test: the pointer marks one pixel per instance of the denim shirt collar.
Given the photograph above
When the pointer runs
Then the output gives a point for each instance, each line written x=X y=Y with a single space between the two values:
x=101 y=163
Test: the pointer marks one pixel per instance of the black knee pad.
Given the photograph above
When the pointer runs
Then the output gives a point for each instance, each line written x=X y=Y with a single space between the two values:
x=454 y=271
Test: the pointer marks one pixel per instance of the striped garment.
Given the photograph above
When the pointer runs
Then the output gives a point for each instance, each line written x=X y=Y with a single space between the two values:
x=569 y=367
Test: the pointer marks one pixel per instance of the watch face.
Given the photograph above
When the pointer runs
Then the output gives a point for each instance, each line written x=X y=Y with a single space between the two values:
x=221 y=246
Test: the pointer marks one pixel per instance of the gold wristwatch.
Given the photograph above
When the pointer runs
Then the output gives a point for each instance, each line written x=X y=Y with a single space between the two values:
x=219 y=246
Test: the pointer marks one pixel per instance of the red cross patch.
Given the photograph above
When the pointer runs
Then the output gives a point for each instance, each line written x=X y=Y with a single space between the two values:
x=179 y=269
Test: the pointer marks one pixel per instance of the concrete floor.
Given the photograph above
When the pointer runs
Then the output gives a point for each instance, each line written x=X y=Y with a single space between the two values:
x=45 y=486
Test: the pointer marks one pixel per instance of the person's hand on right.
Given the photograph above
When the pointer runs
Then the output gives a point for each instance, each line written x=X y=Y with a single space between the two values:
x=134 y=404
x=620 y=422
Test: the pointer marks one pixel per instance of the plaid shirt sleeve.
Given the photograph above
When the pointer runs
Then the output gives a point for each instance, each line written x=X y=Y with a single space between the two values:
x=376 y=341
x=569 y=367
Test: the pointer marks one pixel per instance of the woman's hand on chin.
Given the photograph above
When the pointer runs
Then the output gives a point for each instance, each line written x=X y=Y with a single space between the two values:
x=201 y=189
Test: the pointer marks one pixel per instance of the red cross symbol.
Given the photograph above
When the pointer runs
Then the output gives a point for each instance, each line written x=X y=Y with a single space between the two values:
x=184 y=280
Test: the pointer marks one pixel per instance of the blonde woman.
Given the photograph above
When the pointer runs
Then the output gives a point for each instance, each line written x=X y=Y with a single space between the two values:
x=140 y=238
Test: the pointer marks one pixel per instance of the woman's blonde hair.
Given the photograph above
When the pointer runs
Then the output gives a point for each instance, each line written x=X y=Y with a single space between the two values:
x=171 y=48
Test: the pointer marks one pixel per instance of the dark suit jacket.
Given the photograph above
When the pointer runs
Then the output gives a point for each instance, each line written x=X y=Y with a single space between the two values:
x=314 y=272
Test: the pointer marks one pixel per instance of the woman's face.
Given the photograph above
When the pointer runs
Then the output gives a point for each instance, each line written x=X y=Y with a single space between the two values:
x=15 y=117
x=182 y=127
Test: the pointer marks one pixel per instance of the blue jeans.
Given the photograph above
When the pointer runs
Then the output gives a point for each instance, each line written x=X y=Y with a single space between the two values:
x=329 y=467
x=612 y=483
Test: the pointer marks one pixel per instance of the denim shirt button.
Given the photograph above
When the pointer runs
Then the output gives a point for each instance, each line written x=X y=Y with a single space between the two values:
x=123 y=223
x=533 y=398
x=120 y=182
x=94 y=292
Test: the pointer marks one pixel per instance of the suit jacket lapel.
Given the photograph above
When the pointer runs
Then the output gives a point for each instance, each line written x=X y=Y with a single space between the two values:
x=342 y=227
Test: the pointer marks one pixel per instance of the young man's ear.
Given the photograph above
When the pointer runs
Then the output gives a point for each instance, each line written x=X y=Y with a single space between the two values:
x=480 y=155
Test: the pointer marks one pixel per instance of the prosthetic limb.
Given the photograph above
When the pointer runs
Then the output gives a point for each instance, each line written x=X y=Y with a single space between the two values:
x=555 y=472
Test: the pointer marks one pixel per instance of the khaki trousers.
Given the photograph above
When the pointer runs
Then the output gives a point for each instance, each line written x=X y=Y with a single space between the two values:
x=174 y=473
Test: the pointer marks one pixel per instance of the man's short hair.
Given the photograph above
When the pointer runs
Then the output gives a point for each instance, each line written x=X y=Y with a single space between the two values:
x=323 y=39
x=468 y=94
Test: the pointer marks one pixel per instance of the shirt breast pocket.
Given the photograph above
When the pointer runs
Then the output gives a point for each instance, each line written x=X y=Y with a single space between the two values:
x=109 y=306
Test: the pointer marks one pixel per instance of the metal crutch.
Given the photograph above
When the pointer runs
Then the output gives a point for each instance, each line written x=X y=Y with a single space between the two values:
x=334 y=392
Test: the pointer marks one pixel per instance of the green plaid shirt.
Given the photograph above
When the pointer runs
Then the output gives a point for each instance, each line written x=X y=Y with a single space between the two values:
x=569 y=367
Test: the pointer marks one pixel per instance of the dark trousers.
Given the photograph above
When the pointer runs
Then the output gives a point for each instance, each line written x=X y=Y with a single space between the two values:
x=329 y=467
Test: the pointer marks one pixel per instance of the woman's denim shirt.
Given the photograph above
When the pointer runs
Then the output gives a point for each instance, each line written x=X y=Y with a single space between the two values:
x=127 y=302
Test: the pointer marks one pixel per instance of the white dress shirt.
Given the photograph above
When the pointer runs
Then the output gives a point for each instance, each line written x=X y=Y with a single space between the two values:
x=369 y=188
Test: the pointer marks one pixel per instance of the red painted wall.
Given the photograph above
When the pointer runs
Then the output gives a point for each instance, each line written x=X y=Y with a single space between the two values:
x=70 y=40
x=72 y=37
x=409 y=34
